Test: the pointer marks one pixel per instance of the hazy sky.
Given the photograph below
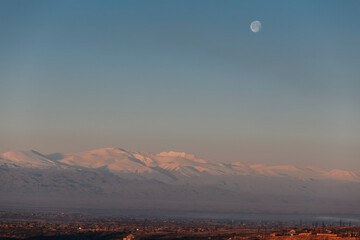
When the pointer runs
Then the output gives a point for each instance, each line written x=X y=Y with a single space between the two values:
x=184 y=76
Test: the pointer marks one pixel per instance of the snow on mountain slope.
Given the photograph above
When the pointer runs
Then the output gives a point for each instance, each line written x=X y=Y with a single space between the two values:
x=114 y=159
x=30 y=159
x=351 y=176
x=180 y=164
x=167 y=165
x=304 y=173
x=120 y=160
x=189 y=165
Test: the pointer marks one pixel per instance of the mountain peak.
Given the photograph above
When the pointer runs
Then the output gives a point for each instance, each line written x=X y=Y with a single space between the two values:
x=176 y=154
x=30 y=158
x=343 y=175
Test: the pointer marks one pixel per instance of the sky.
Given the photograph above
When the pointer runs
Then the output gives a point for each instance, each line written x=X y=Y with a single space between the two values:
x=187 y=76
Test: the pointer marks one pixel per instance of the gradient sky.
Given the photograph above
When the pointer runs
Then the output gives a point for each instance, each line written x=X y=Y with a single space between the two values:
x=184 y=76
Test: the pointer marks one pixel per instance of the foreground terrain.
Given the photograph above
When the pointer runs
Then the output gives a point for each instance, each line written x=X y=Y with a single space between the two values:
x=20 y=225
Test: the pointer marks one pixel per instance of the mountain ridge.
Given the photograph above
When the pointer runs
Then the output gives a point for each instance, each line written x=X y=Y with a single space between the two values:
x=115 y=178
x=170 y=164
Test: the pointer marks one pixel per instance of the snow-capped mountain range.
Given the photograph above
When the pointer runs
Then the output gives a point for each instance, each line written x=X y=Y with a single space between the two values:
x=116 y=178
x=165 y=164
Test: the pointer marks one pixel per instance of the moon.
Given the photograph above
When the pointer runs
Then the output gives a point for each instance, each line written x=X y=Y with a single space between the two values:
x=255 y=26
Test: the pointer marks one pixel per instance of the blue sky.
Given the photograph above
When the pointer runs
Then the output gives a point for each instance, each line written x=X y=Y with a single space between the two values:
x=184 y=76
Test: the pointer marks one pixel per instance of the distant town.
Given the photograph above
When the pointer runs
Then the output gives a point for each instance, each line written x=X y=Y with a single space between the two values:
x=59 y=225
